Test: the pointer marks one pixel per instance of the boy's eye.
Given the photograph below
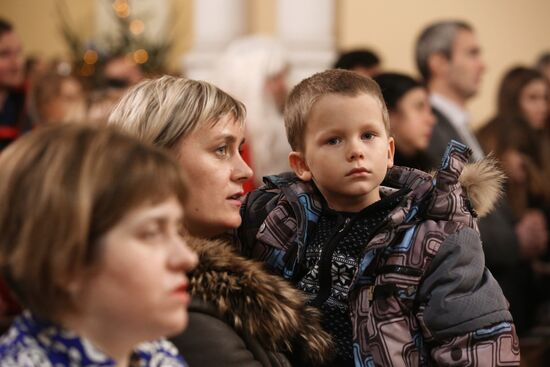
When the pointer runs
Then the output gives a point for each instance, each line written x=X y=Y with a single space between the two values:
x=333 y=141
x=367 y=136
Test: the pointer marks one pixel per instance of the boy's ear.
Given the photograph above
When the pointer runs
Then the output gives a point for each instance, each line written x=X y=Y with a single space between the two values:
x=299 y=166
x=391 y=151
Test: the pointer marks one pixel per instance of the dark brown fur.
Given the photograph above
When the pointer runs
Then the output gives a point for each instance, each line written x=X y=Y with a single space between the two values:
x=256 y=303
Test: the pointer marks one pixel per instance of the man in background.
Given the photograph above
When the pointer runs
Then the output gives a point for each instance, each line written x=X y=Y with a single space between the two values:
x=448 y=56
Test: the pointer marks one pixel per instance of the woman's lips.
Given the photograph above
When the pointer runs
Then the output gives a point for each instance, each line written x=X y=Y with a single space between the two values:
x=182 y=293
x=236 y=198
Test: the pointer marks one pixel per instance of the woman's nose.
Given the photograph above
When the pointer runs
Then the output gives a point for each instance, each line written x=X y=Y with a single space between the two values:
x=430 y=118
x=183 y=257
x=242 y=170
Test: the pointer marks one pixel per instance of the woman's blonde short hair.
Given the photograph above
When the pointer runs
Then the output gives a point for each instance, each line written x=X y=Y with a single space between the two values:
x=61 y=189
x=165 y=110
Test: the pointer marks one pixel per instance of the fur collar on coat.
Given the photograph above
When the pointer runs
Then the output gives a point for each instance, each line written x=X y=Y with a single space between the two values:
x=257 y=304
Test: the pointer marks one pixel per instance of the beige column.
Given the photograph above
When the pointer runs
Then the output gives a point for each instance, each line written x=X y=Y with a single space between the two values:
x=306 y=28
x=215 y=24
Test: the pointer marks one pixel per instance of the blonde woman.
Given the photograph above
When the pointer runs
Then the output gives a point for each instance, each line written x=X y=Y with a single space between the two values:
x=240 y=315
x=97 y=258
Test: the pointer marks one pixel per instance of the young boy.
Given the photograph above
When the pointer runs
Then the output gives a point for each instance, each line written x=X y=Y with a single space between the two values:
x=396 y=270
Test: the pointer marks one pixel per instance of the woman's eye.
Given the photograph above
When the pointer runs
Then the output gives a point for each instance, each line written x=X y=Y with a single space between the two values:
x=150 y=234
x=222 y=151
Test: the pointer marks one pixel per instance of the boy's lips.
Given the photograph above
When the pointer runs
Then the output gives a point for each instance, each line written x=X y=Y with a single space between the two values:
x=357 y=171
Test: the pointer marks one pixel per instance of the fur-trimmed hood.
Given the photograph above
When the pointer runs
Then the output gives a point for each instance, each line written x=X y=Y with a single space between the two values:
x=457 y=189
x=257 y=304
x=483 y=182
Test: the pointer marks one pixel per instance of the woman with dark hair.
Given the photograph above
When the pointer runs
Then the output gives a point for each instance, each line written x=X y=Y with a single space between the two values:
x=518 y=137
x=411 y=118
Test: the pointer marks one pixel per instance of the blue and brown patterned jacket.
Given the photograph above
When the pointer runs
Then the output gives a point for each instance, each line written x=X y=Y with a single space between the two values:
x=421 y=295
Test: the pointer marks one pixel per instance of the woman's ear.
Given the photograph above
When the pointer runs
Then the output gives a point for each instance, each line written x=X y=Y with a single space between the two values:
x=73 y=282
x=73 y=286
x=299 y=166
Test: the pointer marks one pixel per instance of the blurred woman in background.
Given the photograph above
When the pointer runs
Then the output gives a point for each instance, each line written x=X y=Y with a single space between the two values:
x=411 y=118
x=519 y=138
x=55 y=98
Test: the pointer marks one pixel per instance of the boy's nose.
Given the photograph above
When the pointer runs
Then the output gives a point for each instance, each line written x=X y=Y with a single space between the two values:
x=355 y=152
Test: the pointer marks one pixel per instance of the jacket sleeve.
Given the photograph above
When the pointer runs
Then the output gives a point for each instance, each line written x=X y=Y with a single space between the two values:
x=464 y=313
x=210 y=341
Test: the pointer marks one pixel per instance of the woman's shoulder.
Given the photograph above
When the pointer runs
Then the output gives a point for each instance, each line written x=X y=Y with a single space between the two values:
x=33 y=343
x=157 y=353
x=19 y=347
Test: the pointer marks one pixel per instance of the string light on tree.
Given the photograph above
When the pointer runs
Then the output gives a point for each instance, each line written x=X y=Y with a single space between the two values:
x=90 y=57
x=137 y=27
x=121 y=7
x=127 y=37
x=141 y=56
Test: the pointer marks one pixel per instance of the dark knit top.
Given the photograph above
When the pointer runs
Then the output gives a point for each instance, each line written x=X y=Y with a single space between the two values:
x=331 y=261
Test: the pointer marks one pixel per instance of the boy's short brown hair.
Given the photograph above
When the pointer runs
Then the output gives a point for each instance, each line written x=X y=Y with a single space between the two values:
x=61 y=189
x=336 y=81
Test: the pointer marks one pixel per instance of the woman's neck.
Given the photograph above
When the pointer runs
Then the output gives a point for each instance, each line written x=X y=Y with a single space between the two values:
x=111 y=342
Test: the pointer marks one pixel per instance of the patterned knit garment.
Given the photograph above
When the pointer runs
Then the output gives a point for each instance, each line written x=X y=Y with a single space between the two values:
x=352 y=232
